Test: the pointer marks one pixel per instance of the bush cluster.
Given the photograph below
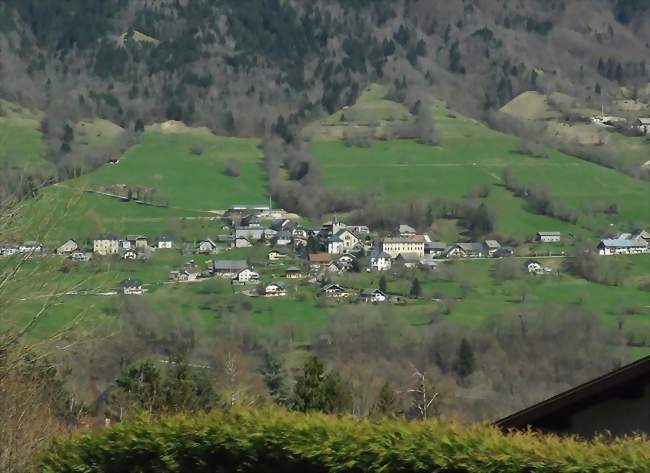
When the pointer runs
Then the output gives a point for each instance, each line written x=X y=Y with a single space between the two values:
x=279 y=441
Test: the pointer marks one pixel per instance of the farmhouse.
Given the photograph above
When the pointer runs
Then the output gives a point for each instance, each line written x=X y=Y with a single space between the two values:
x=8 y=250
x=106 y=245
x=283 y=238
x=349 y=239
x=67 y=248
x=31 y=247
x=251 y=234
x=246 y=276
x=132 y=287
x=207 y=246
x=80 y=256
x=533 y=267
x=278 y=254
x=379 y=260
x=316 y=260
x=617 y=403
x=130 y=254
x=241 y=242
x=643 y=125
x=465 y=250
x=435 y=248
x=135 y=242
x=334 y=290
x=293 y=272
x=165 y=242
x=335 y=267
x=275 y=289
x=372 y=296
x=184 y=276
x=623 y=245
x=643 y=234
x=228 y=268
x=408 y=260
x=250 y=221
x=492 y=246
x=335 y=246
x=548 y=237
x=348 y=262
x=396 y=245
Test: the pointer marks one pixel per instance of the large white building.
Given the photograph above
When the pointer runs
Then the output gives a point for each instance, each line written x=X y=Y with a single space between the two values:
x=106 y=245
x=409 y=244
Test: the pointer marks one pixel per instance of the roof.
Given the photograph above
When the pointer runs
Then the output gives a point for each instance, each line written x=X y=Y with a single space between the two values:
x=624 y=243
x=320 y=258
x=135 y=237
x=436 y=245
x=293 y=269
x=579 y=396
x=405 y=239
x=644 y=121
x=492 y=244
x=282 y=251
x=471 y=247
x=280 y=284
x=549 y=233
x=371 y=292
x=406 y=229
x=377 y=253
x=132 y=283
x=348 y=230
x=165 y=238
x=333 y=286
x=409 y=257
x=229 y=265
x=208 y=240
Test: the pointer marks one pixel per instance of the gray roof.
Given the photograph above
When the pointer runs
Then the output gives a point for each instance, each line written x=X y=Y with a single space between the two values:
x=624 y=243
x=132 y=283
x=406 y=229
x=371 y=292
x=436 y=245
x=280 y=284
x=471 y=247
x=409 y=257
x=492 y=244
x=293 y=269
x=548 y=233
x=230 y=265
x=405 y=239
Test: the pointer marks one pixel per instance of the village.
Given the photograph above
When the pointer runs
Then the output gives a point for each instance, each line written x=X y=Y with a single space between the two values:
x=311 y=254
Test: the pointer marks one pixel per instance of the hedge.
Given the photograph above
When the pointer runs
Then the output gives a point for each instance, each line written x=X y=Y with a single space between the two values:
x=282 y=442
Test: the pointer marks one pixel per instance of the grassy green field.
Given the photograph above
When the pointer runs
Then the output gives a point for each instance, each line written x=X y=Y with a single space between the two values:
x=472 y=155
x=193 y=185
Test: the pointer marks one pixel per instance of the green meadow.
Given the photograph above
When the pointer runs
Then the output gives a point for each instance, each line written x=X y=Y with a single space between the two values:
x=472 y=156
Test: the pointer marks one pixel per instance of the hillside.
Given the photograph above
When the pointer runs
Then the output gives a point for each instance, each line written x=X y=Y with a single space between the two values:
x=208 y=62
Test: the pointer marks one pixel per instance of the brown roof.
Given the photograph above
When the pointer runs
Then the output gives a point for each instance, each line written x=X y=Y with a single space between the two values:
x=320 y=258
x=579 y=397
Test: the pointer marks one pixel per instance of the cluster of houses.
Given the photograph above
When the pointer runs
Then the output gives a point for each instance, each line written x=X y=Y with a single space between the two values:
x=640 y=125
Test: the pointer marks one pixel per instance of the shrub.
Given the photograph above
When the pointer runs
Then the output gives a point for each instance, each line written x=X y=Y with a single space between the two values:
x=270 y=440
x=196 y=149
x=232 y=168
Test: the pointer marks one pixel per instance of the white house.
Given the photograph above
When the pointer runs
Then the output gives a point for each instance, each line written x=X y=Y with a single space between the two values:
x=435 y=248
x=242 y=242
x=165 y=242
x=132 y=287
x=643 y=125
x=246 y=276
x=31 y=247
x=275 y=289
x=396 y=245
x=335 y=246
x=278 y=254
x=130 y=254
x=349 y=239
x=347 y=262
x=67 y=248
x=622 y=246
x=379 y=261
x=106 y=245
x=251 y=234
x=373 y=296
x=492 y=246
x=533 y=267
x=335 y=290
x=207 y=246
x=465 y=250
x=548 y=237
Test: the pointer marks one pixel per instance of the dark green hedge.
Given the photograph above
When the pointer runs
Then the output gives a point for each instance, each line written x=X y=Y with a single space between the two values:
x=278 y=441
